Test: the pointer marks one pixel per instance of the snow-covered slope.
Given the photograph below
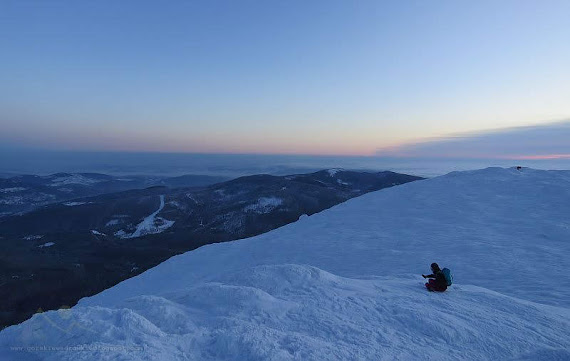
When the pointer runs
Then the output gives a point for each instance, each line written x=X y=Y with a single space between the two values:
x=344 y=285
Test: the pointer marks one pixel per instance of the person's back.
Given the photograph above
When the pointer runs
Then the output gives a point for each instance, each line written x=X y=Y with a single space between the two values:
x=437 y=281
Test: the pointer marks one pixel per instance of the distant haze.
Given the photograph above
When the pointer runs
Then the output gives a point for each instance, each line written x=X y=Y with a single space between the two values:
x=232 y=165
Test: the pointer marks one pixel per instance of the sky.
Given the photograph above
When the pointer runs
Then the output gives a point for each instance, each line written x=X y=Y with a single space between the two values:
x=285 y=77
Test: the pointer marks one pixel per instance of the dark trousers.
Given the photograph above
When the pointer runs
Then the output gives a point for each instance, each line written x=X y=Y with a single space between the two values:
x=433 y=286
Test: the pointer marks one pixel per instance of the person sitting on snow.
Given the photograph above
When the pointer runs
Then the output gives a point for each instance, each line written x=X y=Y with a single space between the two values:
x=437 y=281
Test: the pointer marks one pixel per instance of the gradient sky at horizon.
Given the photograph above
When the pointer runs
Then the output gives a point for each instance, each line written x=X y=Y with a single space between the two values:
x=317 y=77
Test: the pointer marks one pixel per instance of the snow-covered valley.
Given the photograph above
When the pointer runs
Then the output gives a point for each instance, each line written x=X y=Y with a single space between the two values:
x=345 y=284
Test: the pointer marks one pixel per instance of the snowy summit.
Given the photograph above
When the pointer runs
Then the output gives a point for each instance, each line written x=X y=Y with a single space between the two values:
x=345 y=284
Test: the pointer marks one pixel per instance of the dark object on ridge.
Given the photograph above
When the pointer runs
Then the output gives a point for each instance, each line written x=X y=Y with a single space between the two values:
x=438 y=282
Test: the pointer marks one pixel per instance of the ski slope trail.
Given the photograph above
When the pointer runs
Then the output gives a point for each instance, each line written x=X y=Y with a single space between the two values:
x=343 y=285
x=152 y=224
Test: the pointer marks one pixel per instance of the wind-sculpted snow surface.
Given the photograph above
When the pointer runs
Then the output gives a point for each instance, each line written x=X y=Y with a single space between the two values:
x=343 y=285
x=293 y=312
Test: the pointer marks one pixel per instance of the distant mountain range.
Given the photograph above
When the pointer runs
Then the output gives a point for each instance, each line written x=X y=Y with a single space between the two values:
x=27 y=192
x=67 y=236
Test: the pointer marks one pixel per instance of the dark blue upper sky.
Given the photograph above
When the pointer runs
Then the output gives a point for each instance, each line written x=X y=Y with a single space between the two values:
x=320 y=77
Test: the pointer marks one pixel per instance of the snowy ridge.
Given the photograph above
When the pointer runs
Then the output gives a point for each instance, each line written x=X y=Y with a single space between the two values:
x=344 y=284
x=333 y=171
